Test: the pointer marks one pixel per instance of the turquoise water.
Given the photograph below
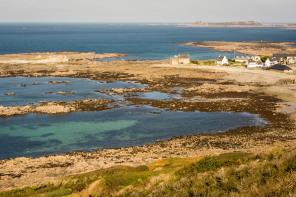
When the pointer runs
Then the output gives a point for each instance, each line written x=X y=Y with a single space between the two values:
x=36 y=135
x=140 y=42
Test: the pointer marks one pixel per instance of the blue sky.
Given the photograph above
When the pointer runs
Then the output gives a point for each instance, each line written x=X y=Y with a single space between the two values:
x=161 y=11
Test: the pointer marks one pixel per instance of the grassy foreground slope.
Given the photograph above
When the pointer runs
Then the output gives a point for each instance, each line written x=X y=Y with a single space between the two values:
x=235 y=174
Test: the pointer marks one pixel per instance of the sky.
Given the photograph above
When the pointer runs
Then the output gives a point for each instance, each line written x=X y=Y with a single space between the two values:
x=148 y=11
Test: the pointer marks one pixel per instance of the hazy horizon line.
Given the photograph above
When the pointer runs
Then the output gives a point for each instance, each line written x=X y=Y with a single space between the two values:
x=142 y=22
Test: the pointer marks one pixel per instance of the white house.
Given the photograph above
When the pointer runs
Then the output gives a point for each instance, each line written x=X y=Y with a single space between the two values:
x=267 y=62
x=181 y=59
x=222 y=60
x=291 y=60
x=254 y=64
x=184 y=58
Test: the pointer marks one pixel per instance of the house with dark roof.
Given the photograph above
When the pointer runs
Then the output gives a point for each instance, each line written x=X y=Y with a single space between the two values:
x=281 y=67
x=283 y=55
x=181 y=59
x=285 y=58
x=222 y=60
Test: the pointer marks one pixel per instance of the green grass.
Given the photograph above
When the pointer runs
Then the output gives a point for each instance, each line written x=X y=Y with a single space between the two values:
x=209 y=63
x=234 y=174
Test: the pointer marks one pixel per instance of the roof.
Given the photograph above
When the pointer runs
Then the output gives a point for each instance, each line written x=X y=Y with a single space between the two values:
x=283 y=55
x=241 y=58
x=280 y=67
x=183 y=56
x=220 y=58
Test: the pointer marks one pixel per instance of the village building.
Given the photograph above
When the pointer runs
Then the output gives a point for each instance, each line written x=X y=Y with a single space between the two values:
x=273 y=61
x=267 y=62
x=254 y=64
x=291 y=60
x=281 y=67
x=181 y=59
x=285 y=58
x=241 y=59
x=222 y=60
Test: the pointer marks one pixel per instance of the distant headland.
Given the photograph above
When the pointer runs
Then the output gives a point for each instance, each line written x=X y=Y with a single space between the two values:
x=232 y=24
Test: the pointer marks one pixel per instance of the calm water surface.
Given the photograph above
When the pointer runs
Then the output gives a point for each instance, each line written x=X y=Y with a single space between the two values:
x=141 y=42
x=37 y=135
x=44 y=91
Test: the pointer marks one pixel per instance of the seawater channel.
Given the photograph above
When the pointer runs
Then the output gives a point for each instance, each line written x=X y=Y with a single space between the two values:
x=35 y=135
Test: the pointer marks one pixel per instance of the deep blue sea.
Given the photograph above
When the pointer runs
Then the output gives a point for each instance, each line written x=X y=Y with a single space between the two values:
x=36 y=135
x=139 y=41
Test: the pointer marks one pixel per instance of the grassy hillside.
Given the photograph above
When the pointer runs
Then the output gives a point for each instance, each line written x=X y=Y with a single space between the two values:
x=236 y=174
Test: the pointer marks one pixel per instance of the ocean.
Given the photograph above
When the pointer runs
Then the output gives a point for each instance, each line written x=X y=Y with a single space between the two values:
x=141 y=42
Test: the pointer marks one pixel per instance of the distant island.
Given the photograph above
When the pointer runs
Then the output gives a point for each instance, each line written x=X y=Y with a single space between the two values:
x=231 y=24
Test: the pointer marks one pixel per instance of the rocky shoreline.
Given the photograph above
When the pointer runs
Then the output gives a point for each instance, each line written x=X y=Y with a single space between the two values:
x=203 y=90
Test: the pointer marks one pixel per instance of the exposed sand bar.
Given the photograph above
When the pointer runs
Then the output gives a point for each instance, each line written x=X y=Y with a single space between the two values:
x=249 y=48
x=56 y=107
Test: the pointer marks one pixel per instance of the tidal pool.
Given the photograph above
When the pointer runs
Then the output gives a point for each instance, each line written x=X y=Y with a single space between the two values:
x=37 y=135
x=34 y=135
x=27 y=93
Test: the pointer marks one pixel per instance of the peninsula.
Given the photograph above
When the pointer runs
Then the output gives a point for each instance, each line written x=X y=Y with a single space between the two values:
x=249 y=48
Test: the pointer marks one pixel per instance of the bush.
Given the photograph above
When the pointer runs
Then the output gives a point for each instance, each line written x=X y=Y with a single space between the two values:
x=195 y=62
x=264 y=58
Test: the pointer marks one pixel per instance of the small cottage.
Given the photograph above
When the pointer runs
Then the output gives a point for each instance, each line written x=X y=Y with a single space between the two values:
x=181 y=59
x=291 y=60
x=254 y=64
x=222 y=60
x=267 y=62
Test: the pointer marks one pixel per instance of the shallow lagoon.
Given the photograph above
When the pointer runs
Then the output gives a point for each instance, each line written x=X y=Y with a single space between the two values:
x=37 y=135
